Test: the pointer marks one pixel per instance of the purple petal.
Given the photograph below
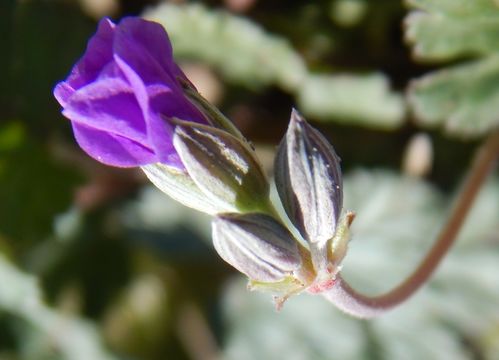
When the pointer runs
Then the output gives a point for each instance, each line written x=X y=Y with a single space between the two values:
x=175 y=104
x=159 y=98
x=121 y=93
x=145 y=47
x=159 y=130
x=109 y=105
x=163 y=104
x=111 y=149
x=153 y=37
x=62 y=92
x=97 y=55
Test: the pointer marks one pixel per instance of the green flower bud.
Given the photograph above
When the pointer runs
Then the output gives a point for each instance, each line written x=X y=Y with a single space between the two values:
x=222 y=166
x=308 y=178
x=256 y=245
x=309 y=183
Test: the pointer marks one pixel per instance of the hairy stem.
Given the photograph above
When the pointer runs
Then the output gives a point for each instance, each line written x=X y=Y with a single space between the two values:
x=363 y=306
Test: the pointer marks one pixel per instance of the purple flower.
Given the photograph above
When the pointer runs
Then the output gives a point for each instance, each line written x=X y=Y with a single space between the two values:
x=122 y=92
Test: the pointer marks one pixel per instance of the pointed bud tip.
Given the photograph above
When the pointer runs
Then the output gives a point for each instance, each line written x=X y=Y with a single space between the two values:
x=296 y=118
x=182 y=125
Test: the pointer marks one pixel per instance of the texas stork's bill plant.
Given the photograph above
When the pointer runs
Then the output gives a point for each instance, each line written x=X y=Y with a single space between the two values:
x=130 y=105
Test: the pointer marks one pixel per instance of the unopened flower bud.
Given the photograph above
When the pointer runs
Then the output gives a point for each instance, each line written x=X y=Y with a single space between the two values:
x=308 y=179
x=222 y=166
x=256 y=245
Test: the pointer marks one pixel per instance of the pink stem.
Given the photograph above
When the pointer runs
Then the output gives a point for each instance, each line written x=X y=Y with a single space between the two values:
x=363 y=306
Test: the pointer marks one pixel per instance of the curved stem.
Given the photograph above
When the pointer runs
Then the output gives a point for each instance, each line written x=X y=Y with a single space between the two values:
x=363 y=306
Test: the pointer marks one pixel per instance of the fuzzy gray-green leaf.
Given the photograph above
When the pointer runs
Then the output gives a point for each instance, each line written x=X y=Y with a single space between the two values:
x=352 y=99
x=446 y=29
x=464 y=98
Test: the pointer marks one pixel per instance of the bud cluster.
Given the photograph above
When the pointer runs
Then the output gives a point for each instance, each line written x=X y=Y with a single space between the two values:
x=223 y=177
x=127 y=112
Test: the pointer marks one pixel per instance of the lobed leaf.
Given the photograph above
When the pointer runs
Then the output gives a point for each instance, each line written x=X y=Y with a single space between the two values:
x=464 y=99
x=352 y=99
x=446 y=29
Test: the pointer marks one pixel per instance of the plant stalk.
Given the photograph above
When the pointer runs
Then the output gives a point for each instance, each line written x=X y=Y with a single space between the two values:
x=354 y=303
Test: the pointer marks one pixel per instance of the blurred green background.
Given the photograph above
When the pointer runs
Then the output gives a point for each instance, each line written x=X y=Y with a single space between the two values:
x=95 y=263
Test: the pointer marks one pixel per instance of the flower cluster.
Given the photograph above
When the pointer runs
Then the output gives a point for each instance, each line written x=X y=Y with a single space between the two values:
x=130 y=105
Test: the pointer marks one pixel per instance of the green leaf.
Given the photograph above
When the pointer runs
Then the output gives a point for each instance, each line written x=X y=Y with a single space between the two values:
x=364 y=100
x=464 y=99
x=445 y=29
x=49 y=332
